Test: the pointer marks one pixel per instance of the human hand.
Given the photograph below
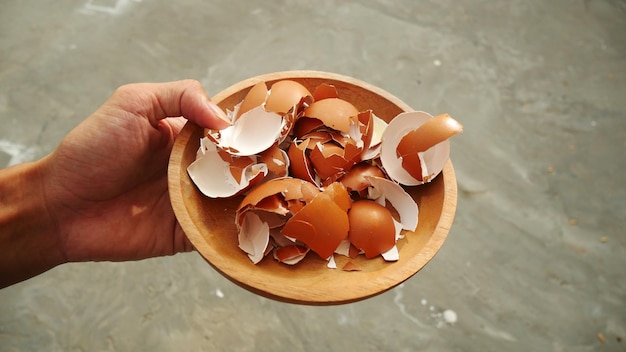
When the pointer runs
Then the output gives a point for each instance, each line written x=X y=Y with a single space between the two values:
x=106 y=184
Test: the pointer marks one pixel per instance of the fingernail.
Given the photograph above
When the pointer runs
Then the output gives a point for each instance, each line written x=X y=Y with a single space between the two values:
x=219 y=113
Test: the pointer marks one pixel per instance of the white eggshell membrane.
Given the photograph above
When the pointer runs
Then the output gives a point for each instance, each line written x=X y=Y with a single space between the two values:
x=291 y=261
x=343 y=248
x=253 y=132
x=374 y=150
x=331 y=263
x=383 y=190
x=391 y=255
x=212 y=175
x=432 y=160
x=254 y=237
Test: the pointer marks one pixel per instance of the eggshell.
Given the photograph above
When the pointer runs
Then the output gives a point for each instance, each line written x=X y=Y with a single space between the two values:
x=363 y=129
x=391 y=255
x=380 y=126
x=333 y=112
x=274 y=196
x=276 y=160
x=339 y=195
x=331 y=263
x=432 y=160
x=413 y=144
x=254 y=237
x=252 y=133
x=343 y=248
x=371 y=227
x=330 y=160
x=327 y=159
x=284 y=95
x=213 y=176
x=288 y=187
x=255 y=97
x=300 y=166
x=325 y=91
x=321 y=224
x=383 y=190
x=305 y=125
x=237 y=164
x=280 y=240
x=355 y=179
x=291 y=255
x=351 y=266
x=433 y=131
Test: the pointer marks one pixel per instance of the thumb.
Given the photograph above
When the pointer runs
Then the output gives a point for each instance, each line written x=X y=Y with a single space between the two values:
x=157 y=101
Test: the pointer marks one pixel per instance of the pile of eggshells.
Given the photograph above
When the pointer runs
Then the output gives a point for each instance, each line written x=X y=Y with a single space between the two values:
x=318 y=174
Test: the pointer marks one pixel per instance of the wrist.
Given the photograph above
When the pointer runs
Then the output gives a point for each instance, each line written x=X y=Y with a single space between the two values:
x=29 y=236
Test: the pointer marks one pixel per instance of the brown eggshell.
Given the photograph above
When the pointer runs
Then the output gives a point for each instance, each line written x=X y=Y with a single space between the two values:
x=292 y=117
x=350 y=266
x=413 y=164
x=340 y=195
x=299 y=165
x=255 y=97
x=333 y=112
x=305 y=125
x=327 y=159
x=284 y=95
x=371 y=227
x=366 y=125
x=269 y=195
x=434 y=131
x=325 y=91
x=236 y=163
x=356 y=180
x=252 y=133
x=431 y=161
x=322 y=224
x=288 y=187
x=291 y=254
x=276 y=160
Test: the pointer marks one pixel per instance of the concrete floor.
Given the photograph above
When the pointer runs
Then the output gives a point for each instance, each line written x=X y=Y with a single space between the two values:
x=535 y=260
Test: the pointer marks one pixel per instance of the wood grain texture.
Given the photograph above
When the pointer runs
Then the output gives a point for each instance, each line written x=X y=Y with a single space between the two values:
x=209 y=223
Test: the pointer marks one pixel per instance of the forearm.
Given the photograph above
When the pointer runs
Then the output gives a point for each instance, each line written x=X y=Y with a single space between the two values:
x=29 y=241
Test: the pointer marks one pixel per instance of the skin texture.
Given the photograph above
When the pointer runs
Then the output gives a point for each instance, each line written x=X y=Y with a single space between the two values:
x=102 y=194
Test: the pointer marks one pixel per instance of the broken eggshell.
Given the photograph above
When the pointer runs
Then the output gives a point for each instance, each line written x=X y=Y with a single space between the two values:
x=254 y=237
x=335 y=113
x=284 y=95
x=323 y=222
x=371 y=227
x=279 y=196
x=213 y=177
x=291 y=254
x=253 y=132
x=429 y=161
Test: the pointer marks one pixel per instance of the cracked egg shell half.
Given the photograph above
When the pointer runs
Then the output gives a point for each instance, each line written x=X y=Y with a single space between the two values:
x=219 y=175
x=372 y=227
x=281 y=98
x=263 y=118
x=415 y=146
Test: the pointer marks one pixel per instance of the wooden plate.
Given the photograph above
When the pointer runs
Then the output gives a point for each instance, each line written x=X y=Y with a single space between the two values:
x=209 y=223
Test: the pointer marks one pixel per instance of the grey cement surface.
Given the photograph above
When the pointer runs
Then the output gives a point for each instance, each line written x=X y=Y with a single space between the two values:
x=535 y=260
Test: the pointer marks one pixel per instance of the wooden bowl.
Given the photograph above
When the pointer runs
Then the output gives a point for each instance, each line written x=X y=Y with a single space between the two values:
x=209 y=223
